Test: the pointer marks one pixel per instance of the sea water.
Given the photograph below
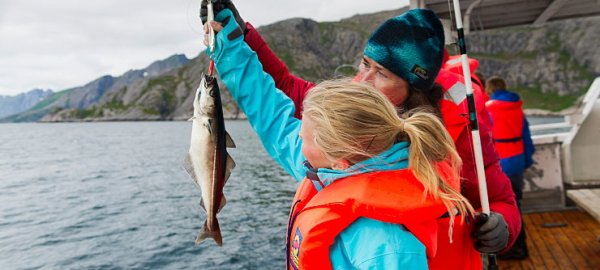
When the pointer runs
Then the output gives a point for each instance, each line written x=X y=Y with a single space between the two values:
x=115 y=196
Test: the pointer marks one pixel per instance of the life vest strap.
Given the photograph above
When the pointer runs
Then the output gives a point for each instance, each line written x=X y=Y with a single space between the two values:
x=515 y=139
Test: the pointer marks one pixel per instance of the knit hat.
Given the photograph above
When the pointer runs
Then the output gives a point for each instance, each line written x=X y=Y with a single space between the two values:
x=411 y=46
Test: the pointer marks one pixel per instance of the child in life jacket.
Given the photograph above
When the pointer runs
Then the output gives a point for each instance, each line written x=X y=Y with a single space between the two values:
x=375 y=184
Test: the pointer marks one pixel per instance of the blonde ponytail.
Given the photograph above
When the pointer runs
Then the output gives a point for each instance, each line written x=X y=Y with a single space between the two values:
x=354 y=122
x=431 y=147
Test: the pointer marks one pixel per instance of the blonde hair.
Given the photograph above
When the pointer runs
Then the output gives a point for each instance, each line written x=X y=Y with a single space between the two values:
x=355 y=122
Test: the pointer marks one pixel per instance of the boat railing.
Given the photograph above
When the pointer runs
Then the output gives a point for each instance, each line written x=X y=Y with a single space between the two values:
x=566 y=155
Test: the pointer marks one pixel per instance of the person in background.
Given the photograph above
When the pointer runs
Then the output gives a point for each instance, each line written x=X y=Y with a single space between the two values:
x=512 y=137
x=402 y=59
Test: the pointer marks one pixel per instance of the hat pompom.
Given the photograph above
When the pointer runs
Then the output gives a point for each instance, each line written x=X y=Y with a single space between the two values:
x=411 y=46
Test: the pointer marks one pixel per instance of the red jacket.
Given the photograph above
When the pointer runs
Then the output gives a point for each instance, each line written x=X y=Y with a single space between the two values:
x=454 y=65
x=451 y=77
x=500 y=194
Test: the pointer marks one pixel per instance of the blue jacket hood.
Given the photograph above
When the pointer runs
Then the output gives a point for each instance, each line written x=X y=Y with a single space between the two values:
x=505 y=95
x=395 y=158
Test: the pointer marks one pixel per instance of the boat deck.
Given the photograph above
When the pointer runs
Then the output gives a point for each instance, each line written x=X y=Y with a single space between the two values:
x=560 y=240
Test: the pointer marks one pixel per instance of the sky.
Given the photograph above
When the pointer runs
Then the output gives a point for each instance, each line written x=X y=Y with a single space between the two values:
x=61 y=44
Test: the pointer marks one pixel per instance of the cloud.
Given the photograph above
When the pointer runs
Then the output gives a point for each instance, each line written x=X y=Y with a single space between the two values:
x=66 y=43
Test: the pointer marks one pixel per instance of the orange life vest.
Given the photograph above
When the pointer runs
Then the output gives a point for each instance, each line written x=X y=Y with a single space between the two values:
x=458 y=255
x=507 y=128
x=389 y=196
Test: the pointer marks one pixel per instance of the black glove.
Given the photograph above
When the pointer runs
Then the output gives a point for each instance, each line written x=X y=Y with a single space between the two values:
x=491 y=232
x=219 y=5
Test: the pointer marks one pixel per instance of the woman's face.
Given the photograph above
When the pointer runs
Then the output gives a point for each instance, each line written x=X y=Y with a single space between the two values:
x=393 y=87
x=315 y=156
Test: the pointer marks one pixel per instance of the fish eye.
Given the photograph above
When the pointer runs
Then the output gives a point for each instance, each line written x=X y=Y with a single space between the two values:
x=212 y=92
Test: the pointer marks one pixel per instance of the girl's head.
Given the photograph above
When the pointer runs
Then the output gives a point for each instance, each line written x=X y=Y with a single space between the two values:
x=345 y=123
x=352 y=121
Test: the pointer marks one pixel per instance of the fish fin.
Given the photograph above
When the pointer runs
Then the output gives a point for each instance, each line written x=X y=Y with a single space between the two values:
x=223 y=202
x=230 y=164
x=208 y=125
x=206 y=232
x=229 y=141
x=192 y=118
x=189 y=168
x=202 y=205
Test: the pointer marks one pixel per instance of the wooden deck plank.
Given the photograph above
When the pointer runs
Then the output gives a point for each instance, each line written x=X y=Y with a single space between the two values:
x=582 y=250
x=534 y=251
x=576 y=243
x=567 y=258
x=584 y=227
x=538 y=238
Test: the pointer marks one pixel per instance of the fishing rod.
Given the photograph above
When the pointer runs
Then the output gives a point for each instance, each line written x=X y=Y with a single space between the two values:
x=210 y=16
x=483 y=193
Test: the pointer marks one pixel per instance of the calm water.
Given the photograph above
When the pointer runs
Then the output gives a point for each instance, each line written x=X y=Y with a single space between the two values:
x=114 y=196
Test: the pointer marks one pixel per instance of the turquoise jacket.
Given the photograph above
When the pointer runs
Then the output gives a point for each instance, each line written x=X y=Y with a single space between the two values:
x=366 y=243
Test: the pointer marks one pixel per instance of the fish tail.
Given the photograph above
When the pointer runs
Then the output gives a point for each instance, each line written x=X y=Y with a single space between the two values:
x=206 y=232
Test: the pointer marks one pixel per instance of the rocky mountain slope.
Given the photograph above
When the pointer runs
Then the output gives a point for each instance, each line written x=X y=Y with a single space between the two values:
x=551 y=66
x=71 y=104
x=15 y=104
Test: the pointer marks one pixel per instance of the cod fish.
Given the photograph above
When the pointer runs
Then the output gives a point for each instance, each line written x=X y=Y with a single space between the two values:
x=208 y=162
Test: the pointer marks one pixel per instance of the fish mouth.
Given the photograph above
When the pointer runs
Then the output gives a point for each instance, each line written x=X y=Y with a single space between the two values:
x=210 y=85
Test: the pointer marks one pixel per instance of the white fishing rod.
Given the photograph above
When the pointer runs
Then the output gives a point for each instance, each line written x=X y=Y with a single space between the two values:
x=483 y=193
x=210 y=17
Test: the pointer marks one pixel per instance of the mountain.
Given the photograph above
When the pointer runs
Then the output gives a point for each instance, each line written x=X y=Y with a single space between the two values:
x=22 y=102
x=160 y=97
x=551 y=66
x=78 y=99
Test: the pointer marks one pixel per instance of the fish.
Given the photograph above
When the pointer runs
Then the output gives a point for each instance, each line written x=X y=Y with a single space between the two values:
x=207 y=162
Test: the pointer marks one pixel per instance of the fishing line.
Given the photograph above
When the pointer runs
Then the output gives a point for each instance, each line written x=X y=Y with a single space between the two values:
x=450 y=10
x=195 y=15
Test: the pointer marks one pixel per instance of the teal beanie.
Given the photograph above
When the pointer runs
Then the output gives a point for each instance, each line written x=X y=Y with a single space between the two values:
x=411 y=46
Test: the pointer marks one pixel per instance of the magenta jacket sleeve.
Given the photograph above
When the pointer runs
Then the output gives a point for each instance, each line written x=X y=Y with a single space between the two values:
x=500 y=194
x=294 y=87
